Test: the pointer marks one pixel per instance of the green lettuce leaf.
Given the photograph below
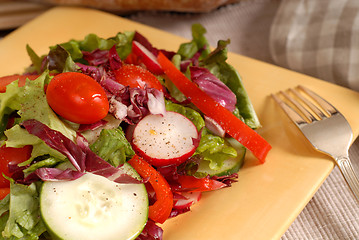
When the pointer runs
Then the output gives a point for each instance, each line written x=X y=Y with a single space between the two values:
x=8 y=104
x=216 y=63
x=113 y=147
x=190 y=113
x=199 y=41
x=35 y=59
x=63 y=56
x=214 y=149
x=23 y=220
x=91 y=42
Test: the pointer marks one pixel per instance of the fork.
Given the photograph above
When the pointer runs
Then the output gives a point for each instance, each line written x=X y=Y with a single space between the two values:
x=323 y=125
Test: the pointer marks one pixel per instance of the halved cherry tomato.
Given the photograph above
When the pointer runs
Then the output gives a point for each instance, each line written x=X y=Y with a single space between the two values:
x=136 y=76
x=6 y=80
x=11 y=156
x=4 y=192
x=193 y=184
x=77 y=97
x=161 y=209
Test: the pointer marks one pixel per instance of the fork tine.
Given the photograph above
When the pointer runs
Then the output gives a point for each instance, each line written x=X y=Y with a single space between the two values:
x=314 y=108
x=304 y=111
x=293 y=115
x=329 y=108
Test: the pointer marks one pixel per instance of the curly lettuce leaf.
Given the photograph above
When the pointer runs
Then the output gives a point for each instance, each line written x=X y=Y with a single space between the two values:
x=35 y=59
x=23 y=220
x=8 y=104
x=198 y=43
x=113 y=147
x=62 y=57
x=191 y=114
x=91 y=42
x=214 y=149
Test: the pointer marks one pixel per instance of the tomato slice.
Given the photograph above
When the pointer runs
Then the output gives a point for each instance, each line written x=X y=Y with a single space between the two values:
x=161 y=209
x=230 y=123
x=6 y=80
x=77 y=97
x=136 y=76
x=11 y=156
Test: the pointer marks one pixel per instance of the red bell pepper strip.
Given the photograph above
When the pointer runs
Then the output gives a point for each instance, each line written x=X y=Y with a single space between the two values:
x=193 y=184
x=230 y=123
x=161 y=209
x=6 y=80
x=4 y=192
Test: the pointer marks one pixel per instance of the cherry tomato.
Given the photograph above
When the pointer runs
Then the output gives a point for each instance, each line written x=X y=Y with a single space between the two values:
x=77 y=98
x=4 y=192
x=4 y=81
x=11 y=156
x=136 y=76
x=161 y=209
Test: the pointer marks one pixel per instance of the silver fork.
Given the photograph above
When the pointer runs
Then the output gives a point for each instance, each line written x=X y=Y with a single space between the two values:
x=323 y=125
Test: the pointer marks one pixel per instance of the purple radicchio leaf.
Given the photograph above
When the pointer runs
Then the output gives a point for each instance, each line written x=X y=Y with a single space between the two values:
x=91 y=71
x=55 y=174
x=114 y=59
x=108 y=59
x=92 y=126
x=80 y=155
x=96 y=57
x=156 y=102
x=118 y=109
x=190 y=62
x=144 y=102
x=151 y=232
x=214 y=127
x=57 y=141
x=214 y=87
x=144 y=42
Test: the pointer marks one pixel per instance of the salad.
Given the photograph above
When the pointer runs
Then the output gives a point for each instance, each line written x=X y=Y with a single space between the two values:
x=110 y=138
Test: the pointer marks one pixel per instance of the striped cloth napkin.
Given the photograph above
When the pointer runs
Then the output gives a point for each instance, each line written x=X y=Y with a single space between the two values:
x=319 y=38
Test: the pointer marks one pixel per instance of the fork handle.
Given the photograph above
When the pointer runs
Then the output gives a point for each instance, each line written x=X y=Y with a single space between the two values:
x=349 y=174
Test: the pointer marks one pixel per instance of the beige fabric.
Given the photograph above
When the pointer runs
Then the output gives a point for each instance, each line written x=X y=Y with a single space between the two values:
x=319 y=38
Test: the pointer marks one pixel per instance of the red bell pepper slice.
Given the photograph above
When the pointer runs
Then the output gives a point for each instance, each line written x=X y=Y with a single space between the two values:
x=193 y=184
x=230 y=123
x=4 y=192
x=6 y=80
x=161 y=209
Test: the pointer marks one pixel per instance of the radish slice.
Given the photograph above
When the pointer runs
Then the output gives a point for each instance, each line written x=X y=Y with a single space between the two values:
x=148 y=58
x=165 y=139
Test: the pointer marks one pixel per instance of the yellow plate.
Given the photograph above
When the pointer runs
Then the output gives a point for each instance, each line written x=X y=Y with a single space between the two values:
x=268 y=197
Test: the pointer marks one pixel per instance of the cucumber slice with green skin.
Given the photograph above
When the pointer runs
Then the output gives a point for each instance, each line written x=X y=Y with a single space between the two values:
x=230 y=165
x=93 y=207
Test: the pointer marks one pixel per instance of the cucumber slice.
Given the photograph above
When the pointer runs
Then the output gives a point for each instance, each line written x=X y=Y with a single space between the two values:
x=93 y=207
x=230 y=165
